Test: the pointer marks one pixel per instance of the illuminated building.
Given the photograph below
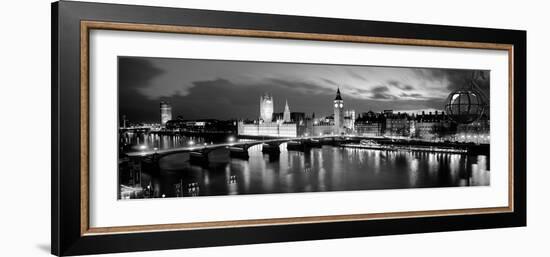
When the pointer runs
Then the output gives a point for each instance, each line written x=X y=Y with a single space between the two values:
x=296 y=117
x=284 y=127
x=204 y=126
x=124 y=121
x=338 y=113
x=269 y=129
x=430 y=126
x=286 y=113
x=477 y=132
x=165 y=113
x=266 y=108
x=349 y=120
x=397 y=124
x=322 y=129
x=371 y=124
x=295 y=124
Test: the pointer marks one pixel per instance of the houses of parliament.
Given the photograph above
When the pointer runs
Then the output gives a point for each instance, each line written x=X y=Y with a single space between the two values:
x=295 y=124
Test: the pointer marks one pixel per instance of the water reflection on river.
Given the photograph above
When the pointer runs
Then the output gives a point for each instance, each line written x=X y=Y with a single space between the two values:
x=320 y=169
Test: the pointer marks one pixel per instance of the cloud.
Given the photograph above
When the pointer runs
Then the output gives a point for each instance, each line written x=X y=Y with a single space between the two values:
x=411 y=95
x=302 y=86
x=381 y=93
x=380 y=89
x=458 y=79
x=382 y=96
x=134 y=75
x=137 y=72
x=328 y=81
x=231 y=89
x=356 y=75
x=399 y=85
x=393 y=83
x=358 y=91
x=222 y=98
x=406 y=87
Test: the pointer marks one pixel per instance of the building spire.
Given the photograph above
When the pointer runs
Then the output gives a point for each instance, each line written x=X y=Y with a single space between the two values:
x=338 y=96
x=286 y=114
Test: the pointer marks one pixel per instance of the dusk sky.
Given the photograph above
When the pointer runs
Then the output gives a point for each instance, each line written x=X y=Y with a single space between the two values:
x=199 y=89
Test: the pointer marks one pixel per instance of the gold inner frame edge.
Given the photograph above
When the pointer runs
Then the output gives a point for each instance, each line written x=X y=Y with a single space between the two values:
x=86 y=26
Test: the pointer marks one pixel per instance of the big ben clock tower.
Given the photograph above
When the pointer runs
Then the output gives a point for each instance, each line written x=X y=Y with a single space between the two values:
x=338 y=113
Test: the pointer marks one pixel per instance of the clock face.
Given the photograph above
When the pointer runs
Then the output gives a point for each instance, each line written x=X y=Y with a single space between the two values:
x=336 y=105
x=341 y=105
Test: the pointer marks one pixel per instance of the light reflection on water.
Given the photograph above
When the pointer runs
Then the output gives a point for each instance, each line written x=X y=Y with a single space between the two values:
x=319 y=169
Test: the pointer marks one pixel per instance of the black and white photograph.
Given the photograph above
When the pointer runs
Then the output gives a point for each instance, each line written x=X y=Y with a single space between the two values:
x=197 y=127
x=275 y=129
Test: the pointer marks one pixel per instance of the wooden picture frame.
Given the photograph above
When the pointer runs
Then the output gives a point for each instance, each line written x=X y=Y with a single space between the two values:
x=71 y=25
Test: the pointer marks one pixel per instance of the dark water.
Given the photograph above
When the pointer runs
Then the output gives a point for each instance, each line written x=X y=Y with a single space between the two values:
x=320 y=169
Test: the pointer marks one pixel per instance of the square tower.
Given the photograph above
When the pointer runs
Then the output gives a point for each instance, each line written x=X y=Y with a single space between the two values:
x=338 y=113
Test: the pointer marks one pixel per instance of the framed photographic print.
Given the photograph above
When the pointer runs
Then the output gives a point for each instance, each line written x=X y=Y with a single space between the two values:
x=177 y=128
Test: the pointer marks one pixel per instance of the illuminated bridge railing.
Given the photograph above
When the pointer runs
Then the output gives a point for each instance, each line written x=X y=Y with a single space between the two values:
x=244 y=144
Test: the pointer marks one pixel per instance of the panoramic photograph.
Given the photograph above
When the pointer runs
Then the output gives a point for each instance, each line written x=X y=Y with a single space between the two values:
x=196 y=127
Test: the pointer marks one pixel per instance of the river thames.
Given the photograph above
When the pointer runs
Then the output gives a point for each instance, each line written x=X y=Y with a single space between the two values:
x=327 y=168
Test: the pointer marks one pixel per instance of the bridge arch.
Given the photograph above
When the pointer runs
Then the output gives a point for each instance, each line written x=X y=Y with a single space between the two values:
x=236 y=149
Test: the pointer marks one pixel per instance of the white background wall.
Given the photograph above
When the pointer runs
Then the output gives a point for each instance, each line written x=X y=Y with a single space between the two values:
x=25 y=113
